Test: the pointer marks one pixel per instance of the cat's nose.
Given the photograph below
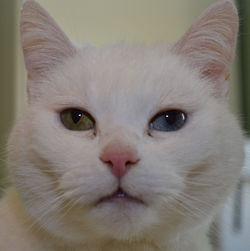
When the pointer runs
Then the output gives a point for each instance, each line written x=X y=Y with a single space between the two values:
x=119 y=160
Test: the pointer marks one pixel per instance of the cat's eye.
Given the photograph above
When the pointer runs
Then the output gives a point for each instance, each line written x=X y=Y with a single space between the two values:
x=77 y=120
x=168 y=121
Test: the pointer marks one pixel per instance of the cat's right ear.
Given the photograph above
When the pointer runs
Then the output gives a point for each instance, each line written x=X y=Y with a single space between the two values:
x=45 y=45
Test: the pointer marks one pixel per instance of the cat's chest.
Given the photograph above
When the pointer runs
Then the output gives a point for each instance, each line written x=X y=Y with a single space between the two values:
x=143 y=246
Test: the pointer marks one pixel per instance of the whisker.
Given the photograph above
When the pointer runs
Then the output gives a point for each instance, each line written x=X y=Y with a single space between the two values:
x=195 y=183
x=193 y=198
x=187 y=209
x=189 y=205
x=46 y=209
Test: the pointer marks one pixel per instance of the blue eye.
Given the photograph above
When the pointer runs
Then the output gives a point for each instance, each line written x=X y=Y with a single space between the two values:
x=168 y=121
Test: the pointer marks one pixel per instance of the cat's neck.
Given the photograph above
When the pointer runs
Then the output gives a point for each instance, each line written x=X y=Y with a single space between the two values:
x=25 y=234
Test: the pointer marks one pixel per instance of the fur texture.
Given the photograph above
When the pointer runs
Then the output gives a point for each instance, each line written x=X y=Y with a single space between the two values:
x=183 y=177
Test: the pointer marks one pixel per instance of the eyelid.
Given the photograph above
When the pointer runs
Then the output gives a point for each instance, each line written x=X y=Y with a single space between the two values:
x=65 y=102
x=62 y=107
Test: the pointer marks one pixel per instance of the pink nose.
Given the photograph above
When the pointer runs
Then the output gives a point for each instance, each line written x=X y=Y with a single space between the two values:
x=119 y=161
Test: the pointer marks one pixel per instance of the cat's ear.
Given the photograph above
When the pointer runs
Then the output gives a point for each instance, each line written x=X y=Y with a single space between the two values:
x=44 y=44
x=209 y=44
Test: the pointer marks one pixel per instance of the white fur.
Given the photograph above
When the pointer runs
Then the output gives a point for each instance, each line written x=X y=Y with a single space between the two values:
x=182 y=176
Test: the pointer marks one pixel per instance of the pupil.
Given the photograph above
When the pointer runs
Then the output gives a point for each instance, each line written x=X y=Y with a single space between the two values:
x=76 y=115
x=171 y=117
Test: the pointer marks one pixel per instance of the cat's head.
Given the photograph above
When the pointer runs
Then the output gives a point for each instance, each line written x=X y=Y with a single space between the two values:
x=126 y=140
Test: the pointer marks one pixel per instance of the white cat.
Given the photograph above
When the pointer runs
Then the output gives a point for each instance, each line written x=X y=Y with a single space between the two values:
x=127 y=147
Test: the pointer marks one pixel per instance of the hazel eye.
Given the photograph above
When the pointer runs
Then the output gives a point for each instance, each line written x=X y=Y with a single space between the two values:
x=168 y=121
x=77 y=120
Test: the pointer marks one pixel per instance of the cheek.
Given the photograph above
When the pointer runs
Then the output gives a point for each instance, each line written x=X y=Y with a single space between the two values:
x=155 y=179
x=166 y=162
x=52 y=141
x=73 y=160
x=191 y=146
x=86 y=184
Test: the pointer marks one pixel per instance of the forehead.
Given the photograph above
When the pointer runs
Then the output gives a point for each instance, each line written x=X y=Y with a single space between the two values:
x=122 y=77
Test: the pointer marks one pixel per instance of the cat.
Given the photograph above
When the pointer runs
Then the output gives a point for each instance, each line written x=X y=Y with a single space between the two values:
x=124 y=147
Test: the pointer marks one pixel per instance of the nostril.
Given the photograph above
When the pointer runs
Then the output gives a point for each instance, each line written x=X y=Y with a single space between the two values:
x=109 y=163
x=128 y=163
x=131 y=162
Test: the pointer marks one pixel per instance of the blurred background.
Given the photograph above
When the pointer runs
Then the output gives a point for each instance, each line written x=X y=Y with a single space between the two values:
x=148 y=21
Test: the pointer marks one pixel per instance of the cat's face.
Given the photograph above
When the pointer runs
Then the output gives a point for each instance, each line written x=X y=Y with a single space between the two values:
x=131 y=172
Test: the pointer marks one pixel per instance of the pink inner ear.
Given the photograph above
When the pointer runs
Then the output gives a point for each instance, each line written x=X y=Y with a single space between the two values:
x=209 y=44
x=215 y=71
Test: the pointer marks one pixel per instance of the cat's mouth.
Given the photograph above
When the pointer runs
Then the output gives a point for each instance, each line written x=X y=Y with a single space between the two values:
x=120 y=196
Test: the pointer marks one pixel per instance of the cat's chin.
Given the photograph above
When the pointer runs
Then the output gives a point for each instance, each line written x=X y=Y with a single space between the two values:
x=120 y=206
x=121 y=215
x=122 y=218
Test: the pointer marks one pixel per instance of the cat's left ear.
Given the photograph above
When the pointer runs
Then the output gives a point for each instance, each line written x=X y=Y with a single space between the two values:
x=209 y=44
